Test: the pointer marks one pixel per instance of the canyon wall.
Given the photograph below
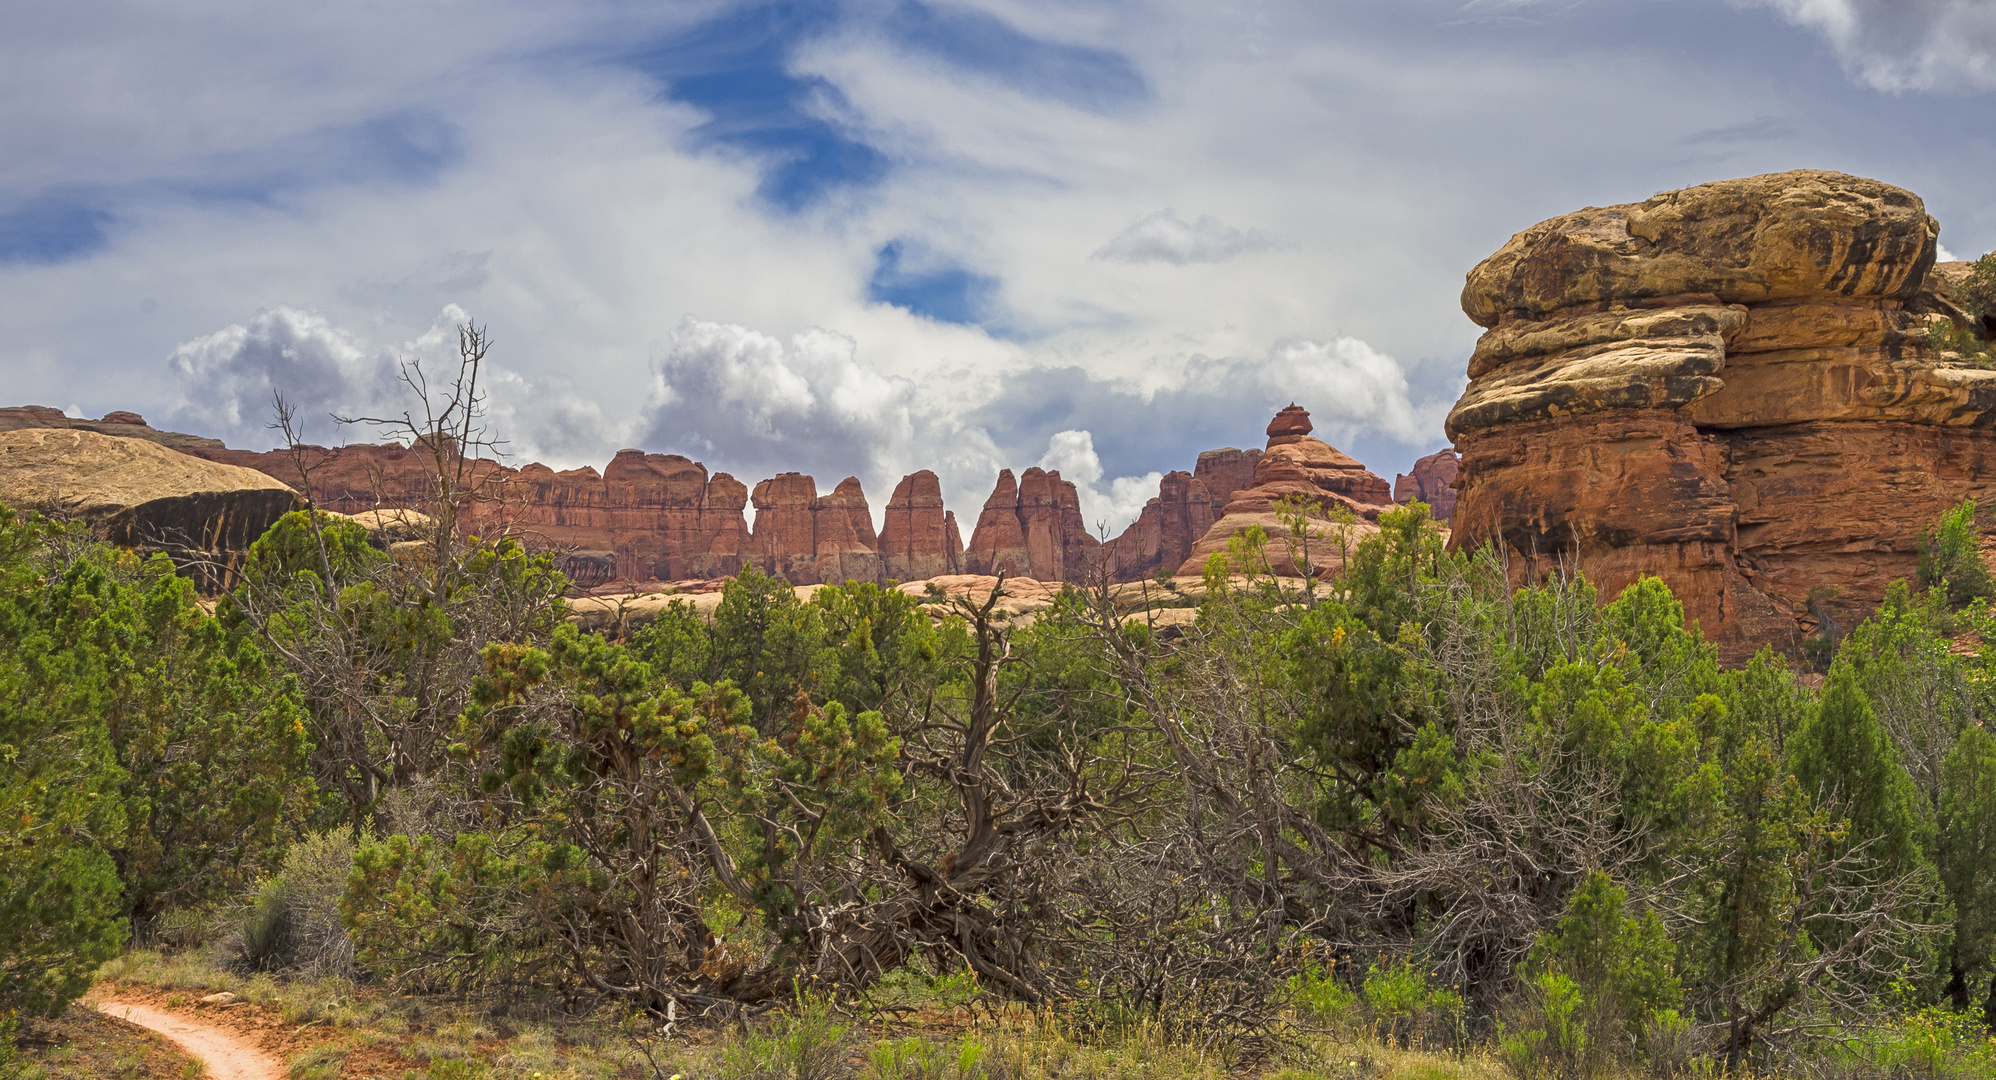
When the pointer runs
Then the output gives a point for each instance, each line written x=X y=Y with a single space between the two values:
x=1729 y=387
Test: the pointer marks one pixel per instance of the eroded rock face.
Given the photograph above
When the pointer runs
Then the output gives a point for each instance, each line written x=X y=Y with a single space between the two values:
x=1031 y=527
x=809 y=540
x=918 y=538
x=662 y=514
x=1304 y=472
x=1728 y=387
x=139 y=494
x=1162 y=536
x=1432 y=482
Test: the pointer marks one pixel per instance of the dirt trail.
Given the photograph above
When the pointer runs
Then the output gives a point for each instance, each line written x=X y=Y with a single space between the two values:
x=228 y=1055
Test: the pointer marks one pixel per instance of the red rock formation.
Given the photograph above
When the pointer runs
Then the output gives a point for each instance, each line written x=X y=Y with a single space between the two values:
x=1225 y=471
x=1727 y=387
x=1432 y=482
x=1304 y=471
x=1163 y=534
x=919 y=538
x=998 y=542
x=809 y=540
x=662 y=514
x=847 y=550
x=1033 y=528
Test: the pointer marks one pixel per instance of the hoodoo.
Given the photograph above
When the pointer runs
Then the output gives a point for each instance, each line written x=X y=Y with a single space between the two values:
x=1031 y=527
x=1728 y=387
x=1305 y=471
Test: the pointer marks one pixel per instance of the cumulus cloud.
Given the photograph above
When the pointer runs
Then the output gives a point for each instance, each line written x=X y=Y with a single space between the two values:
x=1905 y=44
x=754 y=405
x=227 y=378
x=1165 y=237
x=1355 y=387
x=1072 y=454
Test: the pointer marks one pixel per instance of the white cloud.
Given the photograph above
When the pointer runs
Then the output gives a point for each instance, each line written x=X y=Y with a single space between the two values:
x=1905 y=44
x=1164 y=237
x=1942 y=254
x=754 y=405
x=1072 y=454
x=1358 y=388
x=228 y=378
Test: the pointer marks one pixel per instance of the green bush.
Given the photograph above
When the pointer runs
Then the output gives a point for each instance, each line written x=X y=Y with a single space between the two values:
x=1405 y=1004
x=1951 y=558
x=1316 y=992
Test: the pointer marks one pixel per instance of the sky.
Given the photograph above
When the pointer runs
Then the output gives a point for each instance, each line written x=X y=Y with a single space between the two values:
x=869 y=237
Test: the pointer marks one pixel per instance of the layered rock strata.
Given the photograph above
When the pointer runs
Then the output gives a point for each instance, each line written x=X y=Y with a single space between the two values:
x=1431 y=482
x=139 y=494
x=1728 y=387
x=1031 y=527
x=1342 y=500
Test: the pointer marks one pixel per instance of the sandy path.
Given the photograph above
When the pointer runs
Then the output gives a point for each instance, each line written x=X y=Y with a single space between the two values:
x=228 y=1056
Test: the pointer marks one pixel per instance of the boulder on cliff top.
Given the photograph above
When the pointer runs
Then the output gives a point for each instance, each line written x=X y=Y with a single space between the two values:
x=139 y=494
x=1759 y=238
x=1303 y=471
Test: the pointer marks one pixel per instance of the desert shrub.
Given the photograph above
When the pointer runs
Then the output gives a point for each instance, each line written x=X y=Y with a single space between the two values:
x=807 y=1043
x=1405 y=1003
x=1951 y=557
x=293 y=923
x=61 y=806
x=1598 y=985
x=1317 y=993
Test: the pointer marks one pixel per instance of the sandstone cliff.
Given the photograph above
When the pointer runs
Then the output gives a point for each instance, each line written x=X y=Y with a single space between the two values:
x=1725 y=386
x=918 y=538
x=809 y=540
x=1432 y=482
x=1305 y=472
x=1032 y=527
x=139 y=494
x=1162 y=536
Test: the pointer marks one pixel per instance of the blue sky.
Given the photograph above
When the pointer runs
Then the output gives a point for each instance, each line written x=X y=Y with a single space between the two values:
x=873 y=236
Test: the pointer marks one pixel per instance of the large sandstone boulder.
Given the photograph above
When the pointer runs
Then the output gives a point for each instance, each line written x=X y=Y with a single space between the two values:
x=1726 y=386
x=139 y=494
x=1299 y=470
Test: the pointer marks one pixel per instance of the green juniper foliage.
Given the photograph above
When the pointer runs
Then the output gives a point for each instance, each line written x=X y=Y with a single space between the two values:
x=1415 y=795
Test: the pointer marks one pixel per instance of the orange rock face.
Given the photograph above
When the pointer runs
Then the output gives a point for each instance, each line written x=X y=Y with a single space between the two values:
x=1032 y=527
x=919 y=539
x=1431 y=482
x=1728 y=387
x=1304 y=472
